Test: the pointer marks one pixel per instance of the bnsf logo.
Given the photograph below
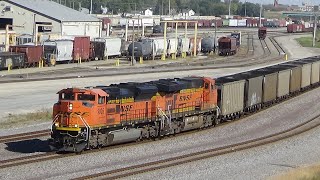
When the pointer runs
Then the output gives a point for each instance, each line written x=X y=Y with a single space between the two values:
x=185 y=98
x=126 y=108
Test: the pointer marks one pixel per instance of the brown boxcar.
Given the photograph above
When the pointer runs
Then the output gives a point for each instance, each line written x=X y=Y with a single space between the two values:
x=262 y=32
x=81 y=48
x=33 y=54
x=97 y=49
x=227 y=46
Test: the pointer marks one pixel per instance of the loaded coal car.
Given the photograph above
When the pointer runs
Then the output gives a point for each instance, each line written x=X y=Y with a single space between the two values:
x=262 y=32
x=305 y=72
x=11 y=59
x=253 y=90
x=105 y=115
x=33 y=54
x=315 y=68
x=227 y=46
x=208 y=44
x=230 y=96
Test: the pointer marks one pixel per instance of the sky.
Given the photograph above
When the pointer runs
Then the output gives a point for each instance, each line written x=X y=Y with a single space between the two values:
x=290 y=2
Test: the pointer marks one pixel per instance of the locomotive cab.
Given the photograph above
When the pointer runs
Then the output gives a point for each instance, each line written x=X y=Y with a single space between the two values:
x=76 y=111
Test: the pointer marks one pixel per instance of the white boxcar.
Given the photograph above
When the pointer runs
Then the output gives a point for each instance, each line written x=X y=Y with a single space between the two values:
x=63 y=49
x=113 y=46
x=233 y=22
x=183 y=46
x=242 y=23
x=158 y=45
x=172 y=45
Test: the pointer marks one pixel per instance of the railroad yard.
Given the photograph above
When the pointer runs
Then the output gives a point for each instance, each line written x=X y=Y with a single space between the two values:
x=207 y=103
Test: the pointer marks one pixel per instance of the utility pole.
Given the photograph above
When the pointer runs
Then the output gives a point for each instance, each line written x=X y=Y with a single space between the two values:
x=169 y=8
x=91 y=7
x=260 y=15
x=230 y=8
x=245 y=8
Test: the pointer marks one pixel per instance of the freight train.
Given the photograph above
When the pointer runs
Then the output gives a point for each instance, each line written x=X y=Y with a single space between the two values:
x=298 y=28
x=92 y=117
x=81 y=48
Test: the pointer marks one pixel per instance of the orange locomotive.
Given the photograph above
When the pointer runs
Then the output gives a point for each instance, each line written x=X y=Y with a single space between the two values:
x=100 y=116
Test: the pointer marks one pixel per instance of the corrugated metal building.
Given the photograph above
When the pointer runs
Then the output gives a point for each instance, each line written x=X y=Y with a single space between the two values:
x=65 y=21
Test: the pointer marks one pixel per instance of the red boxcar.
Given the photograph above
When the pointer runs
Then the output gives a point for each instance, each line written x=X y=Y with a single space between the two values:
x=262 y=32
x=249 y=22
x=33 y=54
x=81 y=48
x=293 y=28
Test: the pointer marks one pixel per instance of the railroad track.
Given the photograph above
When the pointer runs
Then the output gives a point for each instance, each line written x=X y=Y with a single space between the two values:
x=192 y=157
x=250 y=45
x=24 y=136
x=229 y=62
x=265 y=47
x=52 y=155
x=277 y=45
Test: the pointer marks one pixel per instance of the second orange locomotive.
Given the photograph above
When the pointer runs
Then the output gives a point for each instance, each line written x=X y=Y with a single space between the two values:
x=100 y=116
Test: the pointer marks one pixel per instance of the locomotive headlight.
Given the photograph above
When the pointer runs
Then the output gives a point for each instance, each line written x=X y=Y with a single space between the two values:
x=56 y=124
x=76 y=125
x=70 y=106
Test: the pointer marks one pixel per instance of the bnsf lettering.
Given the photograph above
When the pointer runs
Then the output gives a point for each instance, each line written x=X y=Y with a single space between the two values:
x=126 y=108
x=100 y=111
x=185 y=98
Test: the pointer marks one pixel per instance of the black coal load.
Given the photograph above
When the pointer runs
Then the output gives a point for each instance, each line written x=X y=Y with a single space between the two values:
x=192 y=82
x=142 y=91
x=170 y=85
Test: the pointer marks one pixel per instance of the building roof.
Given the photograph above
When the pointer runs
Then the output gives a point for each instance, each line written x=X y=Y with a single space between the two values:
x=53 y=10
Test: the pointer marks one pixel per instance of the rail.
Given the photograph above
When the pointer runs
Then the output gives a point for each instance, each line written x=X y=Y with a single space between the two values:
x=200 y=155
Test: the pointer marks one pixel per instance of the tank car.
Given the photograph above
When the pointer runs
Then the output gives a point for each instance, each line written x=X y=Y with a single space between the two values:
x=208 y=44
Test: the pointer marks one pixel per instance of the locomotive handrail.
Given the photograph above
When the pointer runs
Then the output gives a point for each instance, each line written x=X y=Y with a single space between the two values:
x=54 y=121
x=87 y=127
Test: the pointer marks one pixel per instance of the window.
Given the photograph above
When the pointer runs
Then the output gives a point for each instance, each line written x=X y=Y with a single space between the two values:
x=101 y=100
x=67 y=96
x=206 y=85
x=86 y=97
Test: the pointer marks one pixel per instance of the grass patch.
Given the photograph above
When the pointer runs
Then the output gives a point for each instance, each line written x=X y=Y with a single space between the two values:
x=16 y=120
x=307 y=42
x=308 y=173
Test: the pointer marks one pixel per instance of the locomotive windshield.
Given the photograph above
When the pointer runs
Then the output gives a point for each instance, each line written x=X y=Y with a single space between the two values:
x=86 y=97
x=67 y=96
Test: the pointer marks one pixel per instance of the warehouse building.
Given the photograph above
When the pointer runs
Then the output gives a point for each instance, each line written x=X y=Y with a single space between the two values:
x=33 y=14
